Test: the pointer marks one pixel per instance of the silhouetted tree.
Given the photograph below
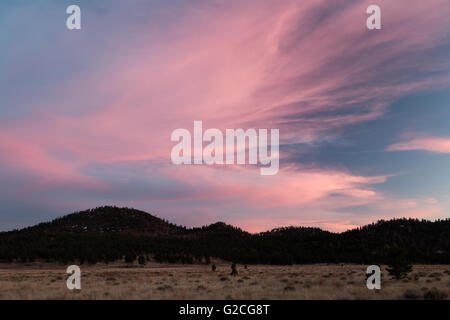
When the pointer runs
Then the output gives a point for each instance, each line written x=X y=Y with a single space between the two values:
x=233 y=269
x=141 y=260
x=130 y=258
x=398 y=266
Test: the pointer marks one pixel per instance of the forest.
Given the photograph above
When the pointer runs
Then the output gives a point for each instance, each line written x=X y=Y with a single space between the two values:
x=108 y=234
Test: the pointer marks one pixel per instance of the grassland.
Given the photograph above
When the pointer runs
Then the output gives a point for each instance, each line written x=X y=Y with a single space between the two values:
x=158 y=281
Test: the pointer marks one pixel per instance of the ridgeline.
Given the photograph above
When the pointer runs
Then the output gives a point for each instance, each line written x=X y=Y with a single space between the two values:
x=108 y=234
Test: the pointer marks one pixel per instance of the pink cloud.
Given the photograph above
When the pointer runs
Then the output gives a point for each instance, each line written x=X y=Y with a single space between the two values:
x=290 y=187
x=299 y=197
x=257 y=64
x=289 y=72
x=26 y=159
x=431 y=144
x=325 y=216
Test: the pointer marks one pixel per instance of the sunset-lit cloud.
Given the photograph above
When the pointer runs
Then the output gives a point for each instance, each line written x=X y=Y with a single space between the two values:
x=87 y=116
x=424 y=143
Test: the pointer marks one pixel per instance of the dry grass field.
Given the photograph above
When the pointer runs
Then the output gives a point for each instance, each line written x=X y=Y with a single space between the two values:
x=157 y=281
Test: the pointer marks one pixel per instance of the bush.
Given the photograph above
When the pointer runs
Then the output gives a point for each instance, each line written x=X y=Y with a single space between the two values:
x=213 y=267
x=289 y=288
x=411 y=295
x=435 y=294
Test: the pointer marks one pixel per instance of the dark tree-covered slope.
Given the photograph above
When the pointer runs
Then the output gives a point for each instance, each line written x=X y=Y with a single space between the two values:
x=109 y=233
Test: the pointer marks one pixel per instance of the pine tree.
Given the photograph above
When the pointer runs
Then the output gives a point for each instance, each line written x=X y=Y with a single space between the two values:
x=398 y=266
x=141 y=260
x=130 y=257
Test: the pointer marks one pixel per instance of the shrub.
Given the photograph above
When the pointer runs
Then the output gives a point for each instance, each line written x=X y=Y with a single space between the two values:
x=435 y=275
x=435 y=294
x=213 y=267
x=411 y=295
x=289 y=288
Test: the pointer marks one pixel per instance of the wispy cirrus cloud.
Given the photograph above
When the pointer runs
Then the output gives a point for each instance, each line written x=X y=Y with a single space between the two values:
x=424 y=143
x=100 y=119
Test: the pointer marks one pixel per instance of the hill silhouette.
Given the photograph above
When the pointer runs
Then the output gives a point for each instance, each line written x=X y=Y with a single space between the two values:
x=107 y=234
x=106 y=220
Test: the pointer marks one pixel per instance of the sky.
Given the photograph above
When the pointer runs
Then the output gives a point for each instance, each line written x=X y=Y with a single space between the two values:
x=86 y=115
